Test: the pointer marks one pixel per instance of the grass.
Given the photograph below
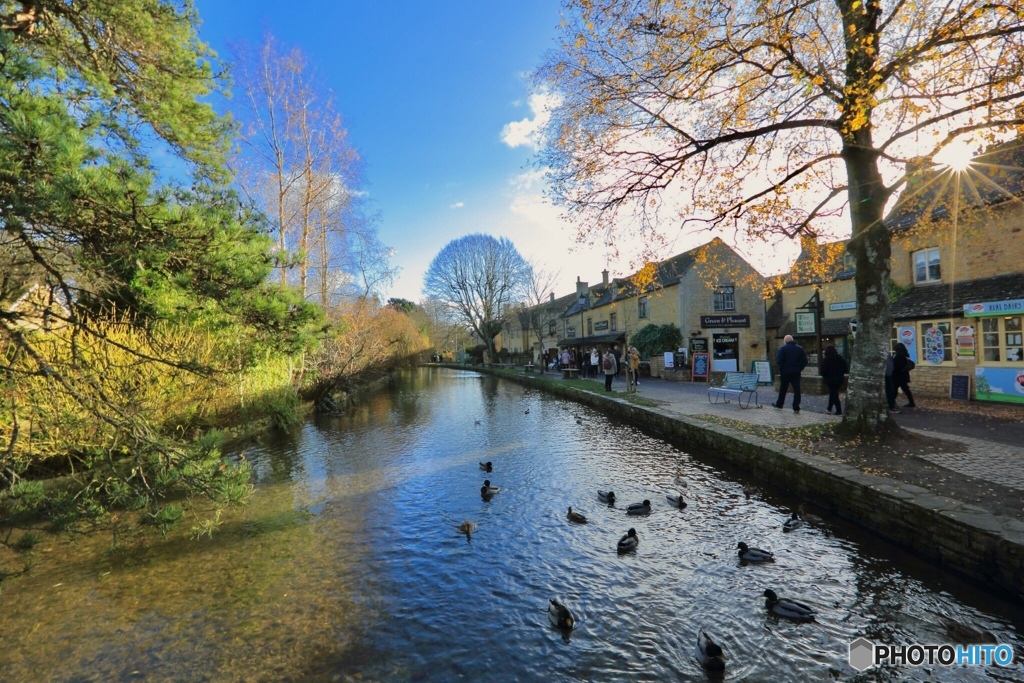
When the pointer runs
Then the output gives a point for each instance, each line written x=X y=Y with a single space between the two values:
x=805 y=437
x=588 y=386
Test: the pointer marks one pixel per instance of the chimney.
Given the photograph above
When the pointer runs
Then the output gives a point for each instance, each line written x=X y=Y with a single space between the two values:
x=551 y=296
x=604 y=276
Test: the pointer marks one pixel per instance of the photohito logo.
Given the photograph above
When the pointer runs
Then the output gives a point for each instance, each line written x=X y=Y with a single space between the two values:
x=864 y=654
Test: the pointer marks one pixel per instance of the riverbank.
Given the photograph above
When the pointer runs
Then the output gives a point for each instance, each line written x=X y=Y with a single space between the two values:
x=977 y=541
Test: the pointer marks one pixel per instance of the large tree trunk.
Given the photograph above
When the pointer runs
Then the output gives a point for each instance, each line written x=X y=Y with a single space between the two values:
x=866 y=407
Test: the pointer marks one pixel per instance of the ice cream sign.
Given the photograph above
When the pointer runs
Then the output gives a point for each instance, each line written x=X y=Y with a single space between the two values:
x=994 y=308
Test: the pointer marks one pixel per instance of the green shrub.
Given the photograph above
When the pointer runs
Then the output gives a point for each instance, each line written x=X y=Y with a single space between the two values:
x=653 y=339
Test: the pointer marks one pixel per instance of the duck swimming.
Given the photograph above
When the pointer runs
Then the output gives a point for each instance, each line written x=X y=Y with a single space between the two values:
x=629 y=542
x=467 y=527
x=793 y=523
x=560 y=615
x=576 y=517
x=487 y=489
x=754 y=554
x=606 y=497
x=709 y=654
x=486 y=466
x=677 y=501
x=789 y=609
x=639 y=508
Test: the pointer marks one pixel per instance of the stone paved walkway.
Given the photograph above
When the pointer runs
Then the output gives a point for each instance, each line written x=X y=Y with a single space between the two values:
x=989 y=459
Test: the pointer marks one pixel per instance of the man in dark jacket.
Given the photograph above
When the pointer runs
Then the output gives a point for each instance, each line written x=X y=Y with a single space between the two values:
x=791 y=360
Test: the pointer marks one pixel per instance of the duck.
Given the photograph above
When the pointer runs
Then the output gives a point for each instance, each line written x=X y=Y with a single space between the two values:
x=793 y=523
x=487 y=489
x=709 y=653
x=576 y=517
x=754 y=554
x=476 y=423
x=628 y=542
x=560 y=615
x=526 y=412
x=787 y=608
x=467 y=527
x=966 y=634
x=639 y=508
x=750 y=490
x=486 y=466
x=677 y=501
x=606 y=497
x=808 y=518
x=579 y=422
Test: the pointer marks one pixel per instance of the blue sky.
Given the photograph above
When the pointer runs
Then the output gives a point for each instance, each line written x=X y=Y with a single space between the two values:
x=437 y=99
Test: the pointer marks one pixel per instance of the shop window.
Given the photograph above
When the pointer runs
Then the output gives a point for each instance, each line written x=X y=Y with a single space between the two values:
x=642 y=309
x=725 y=298
x=615 y=322
x=1002 y=340
x=926 y=266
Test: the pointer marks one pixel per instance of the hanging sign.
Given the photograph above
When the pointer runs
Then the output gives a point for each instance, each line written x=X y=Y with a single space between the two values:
x=699 y=369
x=805 y=323
x=965 y=342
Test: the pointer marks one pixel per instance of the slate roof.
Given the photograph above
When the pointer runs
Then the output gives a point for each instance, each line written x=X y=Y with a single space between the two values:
x=775 y=316
x=805 y=270
x=992 y=178
x=928 y=301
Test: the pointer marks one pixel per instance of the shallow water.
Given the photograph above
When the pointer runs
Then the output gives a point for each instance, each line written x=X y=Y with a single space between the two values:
x=348 y=564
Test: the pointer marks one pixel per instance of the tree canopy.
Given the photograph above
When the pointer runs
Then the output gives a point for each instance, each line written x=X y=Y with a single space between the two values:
x=481 y=278
x=768 y=118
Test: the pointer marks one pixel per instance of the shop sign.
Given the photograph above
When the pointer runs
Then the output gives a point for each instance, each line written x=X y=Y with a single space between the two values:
x=994 y=308
x=698 y=344
x=600 y=325
x=965 y=342
x=725 y=321
x=908 y=335
x=934 y=345
x=843 y=306
x=805 y=323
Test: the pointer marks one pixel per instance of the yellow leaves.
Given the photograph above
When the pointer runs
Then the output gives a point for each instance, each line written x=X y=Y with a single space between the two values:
x=581 y=40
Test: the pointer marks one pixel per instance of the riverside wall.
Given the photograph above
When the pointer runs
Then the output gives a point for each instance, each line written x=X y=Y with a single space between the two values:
x=959 y=537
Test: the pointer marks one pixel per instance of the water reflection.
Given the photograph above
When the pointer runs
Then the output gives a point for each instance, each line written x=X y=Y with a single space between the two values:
x=350 y=560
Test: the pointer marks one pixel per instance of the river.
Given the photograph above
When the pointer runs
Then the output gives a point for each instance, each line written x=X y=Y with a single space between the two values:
x=347 y=564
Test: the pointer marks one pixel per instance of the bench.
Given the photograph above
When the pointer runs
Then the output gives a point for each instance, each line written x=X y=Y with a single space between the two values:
x=736 y=384
x=570 y=373
x=528 y=367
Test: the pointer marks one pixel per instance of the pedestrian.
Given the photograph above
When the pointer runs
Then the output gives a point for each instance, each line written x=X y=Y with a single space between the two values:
x=618 y=357
x=901 y=367
x=595 y=362
x=565 y=358
x=610 y=368
x=632 y=369
x=791 y=360
x=833 y=370
x=587 y=366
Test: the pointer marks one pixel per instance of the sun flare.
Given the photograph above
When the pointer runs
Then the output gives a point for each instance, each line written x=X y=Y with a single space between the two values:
x=956 y=156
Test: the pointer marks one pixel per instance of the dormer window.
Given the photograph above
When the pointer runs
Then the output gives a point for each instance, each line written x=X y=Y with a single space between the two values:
x=926 y=266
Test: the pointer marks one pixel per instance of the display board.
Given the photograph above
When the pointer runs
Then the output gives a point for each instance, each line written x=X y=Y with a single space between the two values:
x=763 y=370
x=960 y=387
x=699 y=369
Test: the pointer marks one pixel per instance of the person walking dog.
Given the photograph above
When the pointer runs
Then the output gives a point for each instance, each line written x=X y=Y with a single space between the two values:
x=791 y=360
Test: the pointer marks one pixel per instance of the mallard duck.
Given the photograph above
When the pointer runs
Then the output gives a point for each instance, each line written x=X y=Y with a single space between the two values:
x=486 y=466
x=966 y=634
x=709 y=654
x=793 y=523
x=560 y=615
x=606 y=497
x=487 y=489
x=677 y=501
x=807 y=517
x=639 y=508
x=629 y=542
x=789 y=609
x=467 y=527
x=754 y=554
x=576 y=517
x=750 y=490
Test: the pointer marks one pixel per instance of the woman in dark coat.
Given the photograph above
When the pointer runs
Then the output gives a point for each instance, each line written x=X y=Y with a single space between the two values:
x=901 y=373
x=833 y=370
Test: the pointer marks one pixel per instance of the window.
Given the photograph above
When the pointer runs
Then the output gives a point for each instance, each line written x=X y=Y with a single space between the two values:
x=642 y=310
x=615 y=322
x=725 y=299
x=849 y=263
x=926 y=266
x=1002 y=340
x=551 y=329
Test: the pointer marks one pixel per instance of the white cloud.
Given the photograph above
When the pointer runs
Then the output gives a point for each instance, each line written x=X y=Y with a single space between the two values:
x=457 y=205
x=528 y=132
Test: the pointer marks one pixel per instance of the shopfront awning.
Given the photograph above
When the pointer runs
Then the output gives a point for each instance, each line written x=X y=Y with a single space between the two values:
x=594 y=340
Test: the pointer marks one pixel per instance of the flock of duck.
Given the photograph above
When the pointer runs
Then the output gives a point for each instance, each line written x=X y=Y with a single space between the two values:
x=708 y=652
